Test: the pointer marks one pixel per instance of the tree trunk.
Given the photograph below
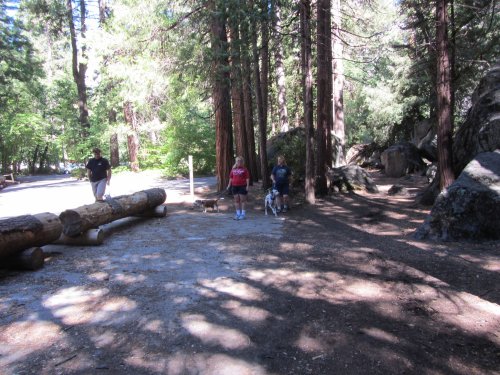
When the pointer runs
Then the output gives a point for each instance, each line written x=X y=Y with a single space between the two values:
x=132 y=138
x=280 y=70
x=22 y=232
x=43 y=159
x=102 y=12
x=248 y=103
x=81 y=219
x=443 y=90
x=324 y=99
x=221 y=98
x=338 y=88
x=260 y=111
x=306 y=46
x=264 y=58
x=30 y=259
x=114 y=147
x=35 y=158
x=79 y=69
x=238 y=114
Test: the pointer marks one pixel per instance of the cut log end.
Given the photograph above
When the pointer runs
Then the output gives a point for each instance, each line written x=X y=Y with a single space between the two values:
x=30 y=259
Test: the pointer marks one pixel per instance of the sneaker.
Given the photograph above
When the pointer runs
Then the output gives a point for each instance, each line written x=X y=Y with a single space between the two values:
x=236 y=217
x=278 y=210
x=241 y=217
x=285 y=209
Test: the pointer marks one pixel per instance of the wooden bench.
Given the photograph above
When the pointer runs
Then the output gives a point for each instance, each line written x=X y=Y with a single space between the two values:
x=5 y=182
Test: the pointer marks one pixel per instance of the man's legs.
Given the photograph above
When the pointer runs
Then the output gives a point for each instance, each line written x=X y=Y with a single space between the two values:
x=99 y=188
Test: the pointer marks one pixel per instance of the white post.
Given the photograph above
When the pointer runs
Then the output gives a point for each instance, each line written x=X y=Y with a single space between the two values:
x=191 y=182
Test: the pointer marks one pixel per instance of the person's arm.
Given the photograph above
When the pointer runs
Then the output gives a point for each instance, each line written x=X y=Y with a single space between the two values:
x=89 y=172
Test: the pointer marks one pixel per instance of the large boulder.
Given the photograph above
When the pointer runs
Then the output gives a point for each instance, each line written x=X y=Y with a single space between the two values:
x=481 y=130
x=366 y=155
x=400 y=159
x=350 y=177
x=470 y=207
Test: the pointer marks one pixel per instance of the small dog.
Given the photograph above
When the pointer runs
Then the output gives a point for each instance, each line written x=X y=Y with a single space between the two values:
x=270 y=201
x=208 y=203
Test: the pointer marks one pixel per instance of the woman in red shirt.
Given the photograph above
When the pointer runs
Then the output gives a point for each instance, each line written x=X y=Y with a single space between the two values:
x=239 y=180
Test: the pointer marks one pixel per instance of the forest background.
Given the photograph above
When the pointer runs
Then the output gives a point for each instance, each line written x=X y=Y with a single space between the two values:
x=155 y=81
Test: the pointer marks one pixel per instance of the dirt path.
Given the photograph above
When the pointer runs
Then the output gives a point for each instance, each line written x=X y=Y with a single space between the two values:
x=340 y=288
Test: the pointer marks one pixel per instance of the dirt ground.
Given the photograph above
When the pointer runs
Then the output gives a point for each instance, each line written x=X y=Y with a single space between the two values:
x=336 y=288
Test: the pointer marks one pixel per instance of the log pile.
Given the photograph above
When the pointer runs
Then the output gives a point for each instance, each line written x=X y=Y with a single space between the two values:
x=79 y=220
x=21 y=237
x=22 y=232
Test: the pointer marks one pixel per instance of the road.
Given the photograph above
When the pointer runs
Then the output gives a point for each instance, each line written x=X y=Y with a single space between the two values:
x=56 y=193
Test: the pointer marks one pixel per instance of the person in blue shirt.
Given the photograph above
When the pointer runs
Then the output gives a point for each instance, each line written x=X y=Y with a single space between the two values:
x=281 y=179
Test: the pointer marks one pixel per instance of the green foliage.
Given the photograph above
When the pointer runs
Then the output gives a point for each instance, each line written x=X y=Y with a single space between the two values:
x=188 y=132
x=372 y=104
x=292 y=146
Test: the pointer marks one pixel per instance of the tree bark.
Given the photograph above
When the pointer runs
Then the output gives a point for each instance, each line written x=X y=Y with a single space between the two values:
x=79 y=68
x=43 y=159
x=264 y=58
x=102 y=12
x=280 y=69
x=338 y=88
x=114 y=149
x=22 y=232
x=324 y=99
x=35 y=158
x=79 y=220
x=261 y=111
x=306 y=47
x=132 y=138
x=248 y=103
x=238 y=113
x=443 y=90
x=221 y=97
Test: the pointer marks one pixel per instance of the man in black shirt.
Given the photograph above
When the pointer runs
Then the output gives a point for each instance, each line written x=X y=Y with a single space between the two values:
x=99 y=173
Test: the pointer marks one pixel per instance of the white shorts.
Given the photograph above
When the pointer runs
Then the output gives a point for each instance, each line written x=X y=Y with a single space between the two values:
x=99 y=188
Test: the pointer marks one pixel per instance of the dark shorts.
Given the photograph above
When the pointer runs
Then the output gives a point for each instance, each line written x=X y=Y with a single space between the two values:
x=282 y=188
x=240 y=190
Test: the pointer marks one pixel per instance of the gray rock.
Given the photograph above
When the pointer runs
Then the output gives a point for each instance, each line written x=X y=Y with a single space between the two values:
x=350 y=177
x=366 y=155
x=470 y=207
x=397 y=190
x=481 y=130
x=400 y=159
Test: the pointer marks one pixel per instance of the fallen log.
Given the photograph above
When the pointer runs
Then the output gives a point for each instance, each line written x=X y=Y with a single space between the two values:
x=92 y=237
x=30 y=259
x=22 y=232
x=158 y=211
x=79 y=220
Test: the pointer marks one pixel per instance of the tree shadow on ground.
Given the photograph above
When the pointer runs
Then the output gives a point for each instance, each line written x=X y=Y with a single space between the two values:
x=334 y=295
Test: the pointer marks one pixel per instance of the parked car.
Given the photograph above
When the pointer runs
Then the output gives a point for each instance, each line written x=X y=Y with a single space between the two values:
x=69 y=167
